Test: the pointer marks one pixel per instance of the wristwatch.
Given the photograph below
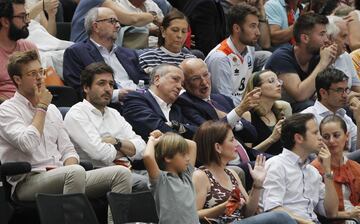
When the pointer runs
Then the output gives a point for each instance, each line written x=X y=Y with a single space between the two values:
x=329 y=175
x=117 y=144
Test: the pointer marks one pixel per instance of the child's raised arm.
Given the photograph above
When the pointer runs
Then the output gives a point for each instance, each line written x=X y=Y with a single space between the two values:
x=192 y=151
x=149 y=155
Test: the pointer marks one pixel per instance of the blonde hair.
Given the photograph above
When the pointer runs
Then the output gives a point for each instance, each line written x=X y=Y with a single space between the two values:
x=255 y=81
x=168 y=146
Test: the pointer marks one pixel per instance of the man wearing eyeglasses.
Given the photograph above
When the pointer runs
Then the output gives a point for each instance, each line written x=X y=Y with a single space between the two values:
x=332 y=92
x=102 y=25
x=32 y=130
x=14 y=23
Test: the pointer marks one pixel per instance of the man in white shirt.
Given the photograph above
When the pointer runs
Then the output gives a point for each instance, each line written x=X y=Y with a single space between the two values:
x=100 y=134
x=102 y=26
x=292 y=184
x=32 y=130
x=333 y=91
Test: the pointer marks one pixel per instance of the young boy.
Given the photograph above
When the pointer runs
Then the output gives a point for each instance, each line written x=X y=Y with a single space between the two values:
x=169 y=160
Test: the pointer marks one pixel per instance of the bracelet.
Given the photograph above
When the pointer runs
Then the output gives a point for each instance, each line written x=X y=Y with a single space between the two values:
x=42 y=106
x=40 y=109
x=118 y=144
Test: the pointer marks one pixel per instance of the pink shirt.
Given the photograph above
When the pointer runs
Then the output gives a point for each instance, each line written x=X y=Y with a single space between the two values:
x=21 y=141
x=7 y=87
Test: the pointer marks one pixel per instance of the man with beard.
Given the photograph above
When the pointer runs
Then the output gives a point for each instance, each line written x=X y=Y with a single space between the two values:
x=299 y=65
x=100 y=134
x=333 y=91
x=232 y=61
x=14 y=21
x=102 y=25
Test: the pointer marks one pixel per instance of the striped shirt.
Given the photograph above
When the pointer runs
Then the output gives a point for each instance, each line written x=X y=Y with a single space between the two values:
x=152 y=58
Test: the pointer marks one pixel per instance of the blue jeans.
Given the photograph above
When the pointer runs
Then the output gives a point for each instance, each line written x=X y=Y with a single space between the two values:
x=268 y=218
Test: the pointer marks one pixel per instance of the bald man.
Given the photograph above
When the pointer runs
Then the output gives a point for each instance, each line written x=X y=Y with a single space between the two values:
x=102 y=25
x=198 y=104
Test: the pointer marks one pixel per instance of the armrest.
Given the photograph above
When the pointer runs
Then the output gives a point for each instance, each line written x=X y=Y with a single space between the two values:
x=14 y=168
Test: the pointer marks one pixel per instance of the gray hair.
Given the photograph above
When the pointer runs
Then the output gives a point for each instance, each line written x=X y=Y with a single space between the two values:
x=90 y=18
x=160 y=70
x=332 y=30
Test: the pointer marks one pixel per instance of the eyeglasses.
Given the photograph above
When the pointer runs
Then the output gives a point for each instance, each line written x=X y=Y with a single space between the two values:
x=275 y=81
x=113 y=21
x=25 y=17
x=35 y=73
x=341 y=90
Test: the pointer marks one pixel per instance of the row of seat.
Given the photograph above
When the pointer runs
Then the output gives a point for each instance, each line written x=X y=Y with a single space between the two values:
x=71 y=208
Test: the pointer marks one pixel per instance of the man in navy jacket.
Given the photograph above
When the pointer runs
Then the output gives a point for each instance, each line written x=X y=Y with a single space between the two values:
x=198 y=104
x=102 y=26
x=156 y=108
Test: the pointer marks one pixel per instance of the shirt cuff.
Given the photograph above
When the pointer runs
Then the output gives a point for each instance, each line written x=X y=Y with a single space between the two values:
x=69 y=155
x=115 y=96
x=233 y=118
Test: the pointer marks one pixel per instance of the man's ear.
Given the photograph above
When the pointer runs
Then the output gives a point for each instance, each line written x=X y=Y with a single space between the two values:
x=298 y=138
x=4 y=22
x=156 y=80
x=17 y=79
x=323 y=92
x=86 y=89
x=304 y=38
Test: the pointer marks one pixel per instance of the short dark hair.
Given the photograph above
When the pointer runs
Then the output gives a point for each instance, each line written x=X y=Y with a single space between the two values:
x=172 y=15
x=88 y=74
x=6 y=8
x=327 y=77
x=19 y=58
x=238 y=13
x=296 y=124
x=206 y=136
x=306 y=22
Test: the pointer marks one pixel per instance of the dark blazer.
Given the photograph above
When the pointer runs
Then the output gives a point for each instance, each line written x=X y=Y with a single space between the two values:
x=207 y=21
x=81 y=54
x=197 y=111
x=145 y=115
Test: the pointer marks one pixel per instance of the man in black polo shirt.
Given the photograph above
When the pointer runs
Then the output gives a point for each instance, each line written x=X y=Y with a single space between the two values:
x=299 y=65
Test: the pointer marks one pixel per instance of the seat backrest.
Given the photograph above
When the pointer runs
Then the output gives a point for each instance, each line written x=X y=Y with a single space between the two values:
x=135 y=207
x=63 y=96
x=5 y=209
x=65 y=209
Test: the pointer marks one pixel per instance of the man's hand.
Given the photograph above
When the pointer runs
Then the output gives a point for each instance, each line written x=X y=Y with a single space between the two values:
x=355 y=108
x=328 y=55
x=123 y=92
x=108 y=139
x=325 y=158
x=251 y=100
x=42 y=94
x=50 y=5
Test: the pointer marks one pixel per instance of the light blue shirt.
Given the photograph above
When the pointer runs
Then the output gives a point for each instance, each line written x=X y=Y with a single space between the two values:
x=276 y=13
x=293 y=184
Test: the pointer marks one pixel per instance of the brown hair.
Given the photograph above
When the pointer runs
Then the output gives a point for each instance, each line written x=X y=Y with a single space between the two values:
x=18 y=59
x=172 y=15
x=168 y=146
x=207 y=135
